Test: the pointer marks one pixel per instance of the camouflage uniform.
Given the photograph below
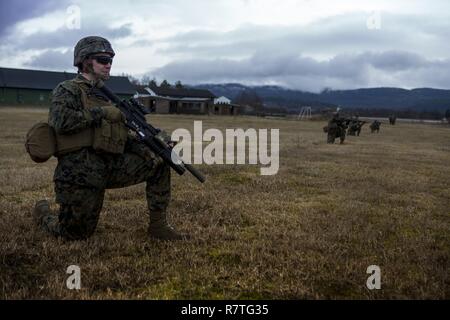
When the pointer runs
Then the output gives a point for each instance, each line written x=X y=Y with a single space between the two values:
x=82 y=176
x=352 y=128
x=375 y=126
x=392 y=119
x=336 y=128
x=355 y=127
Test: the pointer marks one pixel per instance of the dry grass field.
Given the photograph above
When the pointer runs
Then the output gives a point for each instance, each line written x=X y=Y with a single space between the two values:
x=309 y=232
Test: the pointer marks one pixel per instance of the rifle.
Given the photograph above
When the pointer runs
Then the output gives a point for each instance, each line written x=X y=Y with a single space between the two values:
x=147 y=134
x=343 y=121
x=361 y=123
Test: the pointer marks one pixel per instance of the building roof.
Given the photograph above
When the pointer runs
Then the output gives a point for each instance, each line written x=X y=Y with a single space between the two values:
x=48 y=80
x=141 y=90
x=183 y=92
x=222 y=100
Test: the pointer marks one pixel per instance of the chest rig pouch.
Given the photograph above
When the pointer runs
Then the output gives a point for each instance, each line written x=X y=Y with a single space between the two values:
x=110 y=136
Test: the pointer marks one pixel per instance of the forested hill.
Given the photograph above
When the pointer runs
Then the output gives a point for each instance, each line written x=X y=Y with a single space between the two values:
x=420 y=99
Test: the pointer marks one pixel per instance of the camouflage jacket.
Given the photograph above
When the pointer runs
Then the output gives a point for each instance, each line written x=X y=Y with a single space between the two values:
x=84 y=168
x=67 y=114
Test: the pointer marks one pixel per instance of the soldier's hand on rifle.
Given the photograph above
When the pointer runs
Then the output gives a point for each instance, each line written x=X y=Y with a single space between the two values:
x=113 y=114
x=164 y=136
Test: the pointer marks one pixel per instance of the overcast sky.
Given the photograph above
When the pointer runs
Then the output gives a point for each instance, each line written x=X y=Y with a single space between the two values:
x=300 y=44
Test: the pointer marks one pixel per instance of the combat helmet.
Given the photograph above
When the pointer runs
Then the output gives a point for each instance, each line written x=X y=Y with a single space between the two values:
x=90 y=45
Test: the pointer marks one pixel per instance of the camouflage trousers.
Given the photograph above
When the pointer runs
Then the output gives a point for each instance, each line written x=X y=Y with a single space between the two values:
x=334 y=133
x=82 y=177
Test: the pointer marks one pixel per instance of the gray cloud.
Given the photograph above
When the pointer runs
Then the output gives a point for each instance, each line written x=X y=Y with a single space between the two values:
x=391 y=68
x=68 y=38
x=14 y=11
x=347 y=54
x=338 y=34
x=395 y=61
x=52 y=60
x=337 y=51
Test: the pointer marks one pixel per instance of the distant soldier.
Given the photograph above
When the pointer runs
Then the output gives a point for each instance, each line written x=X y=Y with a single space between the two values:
x=375 y=126
x=447 y=115
x=354 y=127
x=392 y=119
x=360 y=125
x=336 y=127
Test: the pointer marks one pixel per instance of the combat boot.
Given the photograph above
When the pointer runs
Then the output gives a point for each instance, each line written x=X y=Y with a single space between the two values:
x=160 y=229
x=41 y=210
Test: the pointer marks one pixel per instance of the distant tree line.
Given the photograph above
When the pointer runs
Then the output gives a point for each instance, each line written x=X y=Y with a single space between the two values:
x=151 y=82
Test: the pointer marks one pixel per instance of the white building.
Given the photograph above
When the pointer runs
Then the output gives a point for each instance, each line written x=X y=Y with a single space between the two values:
x=222 y=100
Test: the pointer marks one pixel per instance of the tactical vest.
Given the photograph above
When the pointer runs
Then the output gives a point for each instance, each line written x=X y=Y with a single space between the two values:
x=109 y=137
x=42 y=141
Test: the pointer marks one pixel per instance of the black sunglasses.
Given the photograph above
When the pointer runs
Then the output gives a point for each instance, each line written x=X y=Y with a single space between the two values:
x=103 y=59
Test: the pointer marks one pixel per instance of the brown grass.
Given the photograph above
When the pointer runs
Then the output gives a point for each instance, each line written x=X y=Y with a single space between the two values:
x=310 y=231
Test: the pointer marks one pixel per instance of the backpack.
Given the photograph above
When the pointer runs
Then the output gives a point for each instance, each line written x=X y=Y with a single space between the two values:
x=40 y=142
